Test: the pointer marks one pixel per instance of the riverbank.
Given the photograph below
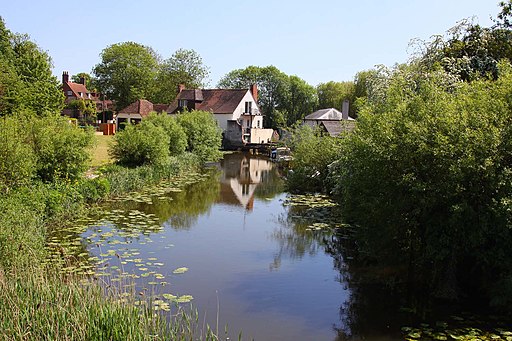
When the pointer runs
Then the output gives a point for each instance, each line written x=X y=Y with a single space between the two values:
x=38 y=300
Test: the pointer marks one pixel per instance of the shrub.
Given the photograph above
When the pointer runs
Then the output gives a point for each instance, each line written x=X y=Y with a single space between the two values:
x=204 y=137
x=17 y=160
x=313 y=152
x=428 y=182
x=60 y=148
x=177 y=136
x=140 y=144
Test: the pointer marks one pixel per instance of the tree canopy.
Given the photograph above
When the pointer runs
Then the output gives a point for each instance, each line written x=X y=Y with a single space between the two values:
x=26 y=80
x=127 y=72
x=183 y=67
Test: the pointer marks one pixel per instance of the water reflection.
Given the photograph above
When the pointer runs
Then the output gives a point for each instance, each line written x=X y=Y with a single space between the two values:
x=265 y=262
x=243 y=174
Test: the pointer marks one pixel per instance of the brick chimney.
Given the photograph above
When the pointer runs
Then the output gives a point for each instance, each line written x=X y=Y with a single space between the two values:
x=181 y=87
x=254 y=92
x=82 y=80
x=65 y=77
x=344 y=110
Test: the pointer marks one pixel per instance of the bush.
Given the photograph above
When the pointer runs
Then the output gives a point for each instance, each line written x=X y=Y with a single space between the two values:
x=428 y=182
x=60 y=148
x=177 y=136
x=17 y=159
x=204 y=137
x=313 y=152
x=141 y=144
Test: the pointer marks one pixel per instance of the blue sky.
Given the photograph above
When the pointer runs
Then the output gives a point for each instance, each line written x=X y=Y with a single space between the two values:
x=317 y=40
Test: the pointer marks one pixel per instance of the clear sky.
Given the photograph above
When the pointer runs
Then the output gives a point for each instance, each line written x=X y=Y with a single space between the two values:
x=317 y=40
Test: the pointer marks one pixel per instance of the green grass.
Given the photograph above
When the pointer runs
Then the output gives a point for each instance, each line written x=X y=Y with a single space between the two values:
x=99 y=153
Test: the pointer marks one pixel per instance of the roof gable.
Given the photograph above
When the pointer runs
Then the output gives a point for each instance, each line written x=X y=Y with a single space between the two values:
x=327 y=114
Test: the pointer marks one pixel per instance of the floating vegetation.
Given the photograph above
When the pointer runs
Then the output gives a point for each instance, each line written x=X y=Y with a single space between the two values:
x=180 y=270
x=316 y=212
x=465 y=329
x=100 y=245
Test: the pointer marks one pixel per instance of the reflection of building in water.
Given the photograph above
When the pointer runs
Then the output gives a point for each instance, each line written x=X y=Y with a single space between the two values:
x=242 y=175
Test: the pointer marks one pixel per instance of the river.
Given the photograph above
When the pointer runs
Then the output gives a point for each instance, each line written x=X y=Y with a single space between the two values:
x=253 y=258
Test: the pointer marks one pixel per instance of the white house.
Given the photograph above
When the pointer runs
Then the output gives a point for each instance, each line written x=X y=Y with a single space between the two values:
x=236 y=111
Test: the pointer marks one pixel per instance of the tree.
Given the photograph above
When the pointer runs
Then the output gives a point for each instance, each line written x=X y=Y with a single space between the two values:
x=183 y=67
x=26 y=81
x=332 y=94
x=302 y=100
x=127 y=72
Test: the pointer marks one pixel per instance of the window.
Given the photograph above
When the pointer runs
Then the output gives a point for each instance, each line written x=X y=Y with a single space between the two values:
x=80 y=94
x=258 y=123
x=88 y=95
x=248 y=107
x=248 y=124
x=70 y=93
x=182 y=103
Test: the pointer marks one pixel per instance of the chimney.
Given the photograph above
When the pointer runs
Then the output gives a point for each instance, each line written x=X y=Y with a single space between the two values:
x=65 y=77
x=181 y=87
x=82 y=80
x=254 y=92
x=344 y=110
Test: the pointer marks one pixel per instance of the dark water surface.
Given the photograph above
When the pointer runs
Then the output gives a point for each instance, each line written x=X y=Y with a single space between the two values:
x=252 y=262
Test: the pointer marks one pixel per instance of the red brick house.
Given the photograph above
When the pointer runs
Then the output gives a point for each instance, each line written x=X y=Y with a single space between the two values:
x=78 y=91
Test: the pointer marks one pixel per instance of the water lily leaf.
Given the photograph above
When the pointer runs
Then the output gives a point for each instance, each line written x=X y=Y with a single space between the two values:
x=180 y=270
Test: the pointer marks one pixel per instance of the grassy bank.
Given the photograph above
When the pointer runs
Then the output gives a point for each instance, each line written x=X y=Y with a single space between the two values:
x=39 y=302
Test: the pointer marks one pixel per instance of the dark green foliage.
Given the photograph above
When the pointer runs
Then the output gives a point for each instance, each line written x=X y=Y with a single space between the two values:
x=332 y=95
x=204 y=136
x=428 y=181
x=313 y=152
x=183 y=67
x=140 y=144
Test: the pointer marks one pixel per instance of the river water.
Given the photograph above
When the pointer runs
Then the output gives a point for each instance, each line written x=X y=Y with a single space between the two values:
x=232 y=241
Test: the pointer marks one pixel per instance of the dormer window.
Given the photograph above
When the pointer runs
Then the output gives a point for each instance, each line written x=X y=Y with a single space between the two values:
x=81 y=94
x=70 y=93
x=88 y=95
x=248 y=107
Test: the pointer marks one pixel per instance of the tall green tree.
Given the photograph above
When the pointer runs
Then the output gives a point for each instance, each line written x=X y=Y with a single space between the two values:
x=26 y=81
x=183 y=67
x=332 y=94
x=127 y=72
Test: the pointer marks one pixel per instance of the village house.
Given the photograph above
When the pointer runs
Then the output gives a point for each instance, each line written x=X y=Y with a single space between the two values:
x=331 y=120
x=78 y=91
x=236 y=111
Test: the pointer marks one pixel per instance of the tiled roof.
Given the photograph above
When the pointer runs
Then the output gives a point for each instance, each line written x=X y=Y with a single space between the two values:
x=217 y=101
x=76 y=88
x=160 y=107
x=334 y=128
x=141 y=107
